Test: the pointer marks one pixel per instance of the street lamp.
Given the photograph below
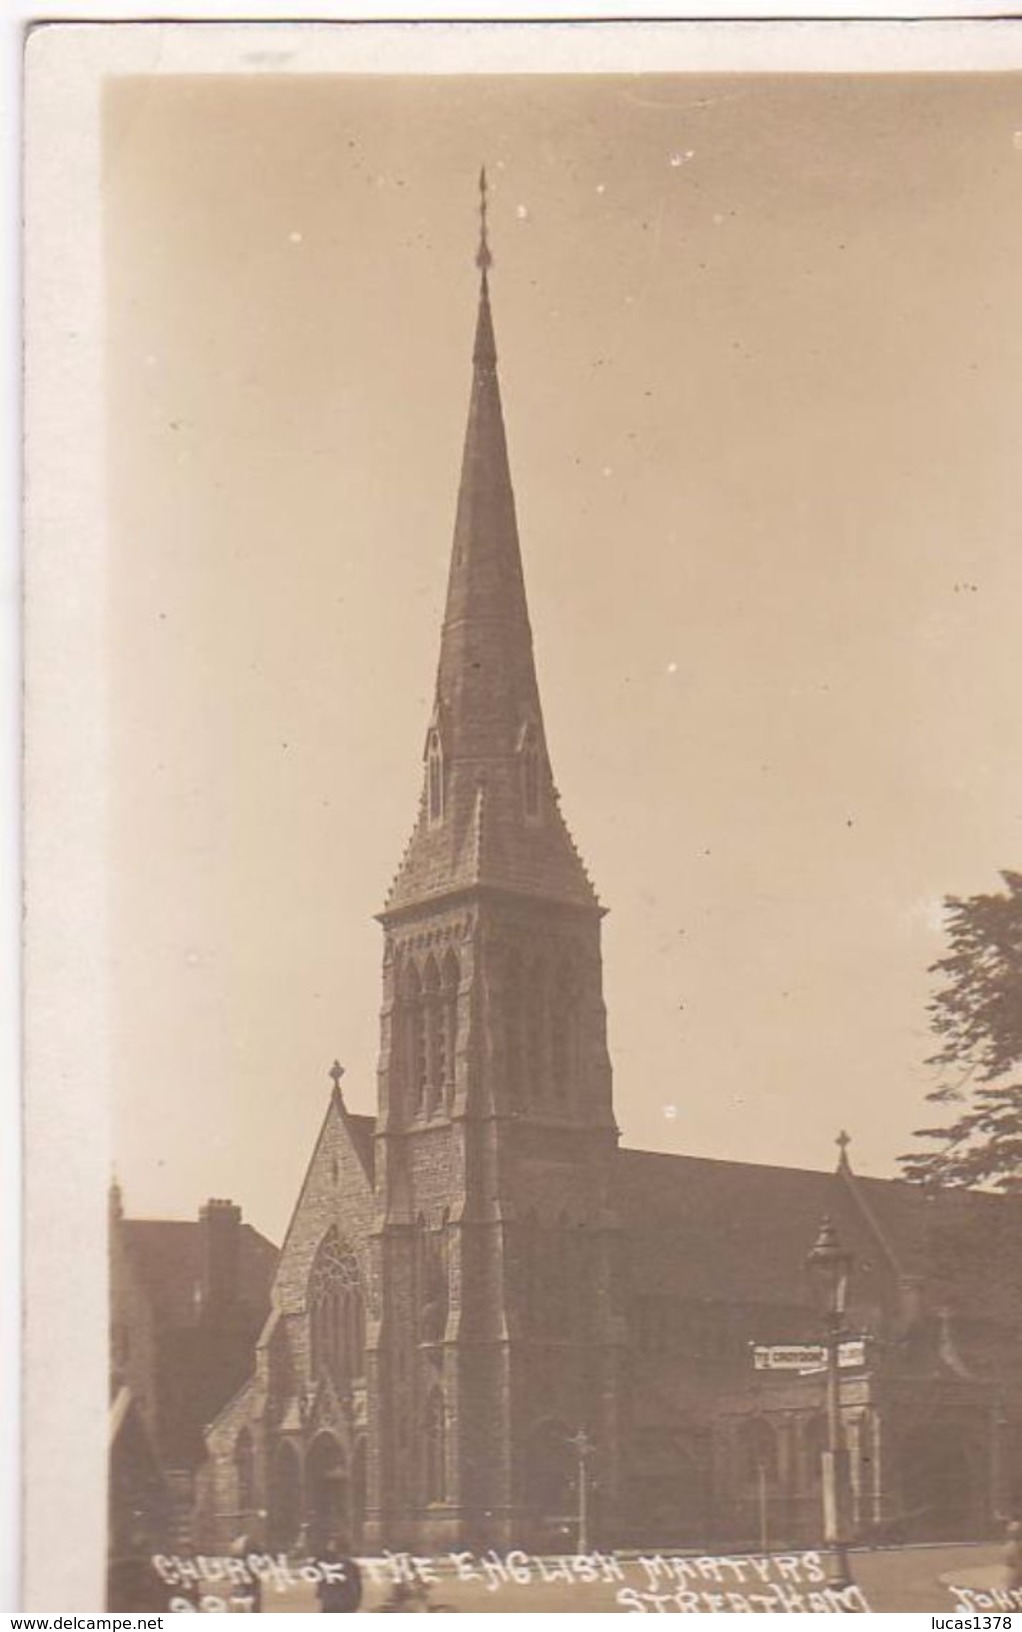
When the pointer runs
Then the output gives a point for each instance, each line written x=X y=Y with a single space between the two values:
x=830 y=1268
x=583 y=1447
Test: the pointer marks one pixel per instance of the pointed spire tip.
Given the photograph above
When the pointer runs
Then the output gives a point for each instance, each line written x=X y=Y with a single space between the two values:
x=484 y=258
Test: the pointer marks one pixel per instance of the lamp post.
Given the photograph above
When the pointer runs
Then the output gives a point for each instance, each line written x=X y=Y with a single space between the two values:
x=830 y=1268
x=583 y=1447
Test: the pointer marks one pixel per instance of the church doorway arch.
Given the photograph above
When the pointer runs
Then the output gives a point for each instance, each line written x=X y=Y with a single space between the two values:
x=328 y=1503
x=285 y=1505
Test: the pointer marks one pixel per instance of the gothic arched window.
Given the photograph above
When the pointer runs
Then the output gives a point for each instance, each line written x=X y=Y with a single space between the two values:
x=415 y=1051
x=336 y=1313
x=432 y=1282
x=436 y=1447
x=450 y=981
x=435 y=776
x=436 y=1038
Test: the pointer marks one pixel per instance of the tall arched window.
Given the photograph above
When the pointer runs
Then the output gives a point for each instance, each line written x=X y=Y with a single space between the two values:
x=449 y=984
x=414 y=1021
x=435 y=776
x=436 y=1447
x=336 y=1313
x=432 y=1276
x=436 y=1063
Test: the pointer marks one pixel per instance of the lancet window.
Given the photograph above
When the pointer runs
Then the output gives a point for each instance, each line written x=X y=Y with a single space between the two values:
x=541 y=1030
x=413 y=1018
x=450 y=983
x=427 y=1022
x=432 y=1280
x=336 y=1313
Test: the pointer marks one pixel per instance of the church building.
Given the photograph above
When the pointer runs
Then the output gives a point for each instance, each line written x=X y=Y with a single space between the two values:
x=484 y=1302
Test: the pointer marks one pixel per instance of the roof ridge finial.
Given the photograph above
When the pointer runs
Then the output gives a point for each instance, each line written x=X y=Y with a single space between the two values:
x=484 y=257
x=842 y=1141
x=335 y=1074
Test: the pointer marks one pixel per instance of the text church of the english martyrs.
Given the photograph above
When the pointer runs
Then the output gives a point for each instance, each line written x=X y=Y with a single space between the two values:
x=480 y=1274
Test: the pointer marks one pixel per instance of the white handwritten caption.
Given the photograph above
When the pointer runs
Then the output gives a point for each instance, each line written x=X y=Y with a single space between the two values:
x=792 y=1583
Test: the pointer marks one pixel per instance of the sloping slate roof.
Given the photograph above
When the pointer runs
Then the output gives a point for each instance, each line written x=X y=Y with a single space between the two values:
x=739 y=1232
x=168 y=1256
x=968 y=1243
x=730 y=1231
x=363 y=1131
x=487 y=694
x=484 y=841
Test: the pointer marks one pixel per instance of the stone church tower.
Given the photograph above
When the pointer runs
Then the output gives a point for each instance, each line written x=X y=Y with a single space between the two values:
x=479 y=1295
x=497 y=1334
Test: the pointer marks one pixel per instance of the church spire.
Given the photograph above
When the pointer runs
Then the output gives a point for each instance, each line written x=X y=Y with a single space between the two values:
x=484 y=352
x=486 y=729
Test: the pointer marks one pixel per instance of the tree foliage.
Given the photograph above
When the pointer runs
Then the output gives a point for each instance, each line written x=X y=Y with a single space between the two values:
x=977 y=1016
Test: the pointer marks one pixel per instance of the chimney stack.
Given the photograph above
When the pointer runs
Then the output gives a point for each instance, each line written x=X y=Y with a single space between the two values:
x=220 y=1224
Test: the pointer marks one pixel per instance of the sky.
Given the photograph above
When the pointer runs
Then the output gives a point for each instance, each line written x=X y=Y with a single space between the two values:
x=761 y=366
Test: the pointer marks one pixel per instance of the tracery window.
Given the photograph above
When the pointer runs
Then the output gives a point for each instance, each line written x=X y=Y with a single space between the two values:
x=336 y=1313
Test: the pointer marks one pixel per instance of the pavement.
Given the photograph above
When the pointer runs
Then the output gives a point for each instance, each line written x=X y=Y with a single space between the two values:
x=897 y=1578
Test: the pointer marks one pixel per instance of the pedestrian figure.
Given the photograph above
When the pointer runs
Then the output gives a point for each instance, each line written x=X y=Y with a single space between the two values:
x=240 y=1547
x=343 y=1596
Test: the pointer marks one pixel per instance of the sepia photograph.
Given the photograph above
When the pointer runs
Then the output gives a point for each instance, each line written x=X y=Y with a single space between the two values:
x=555 y=1133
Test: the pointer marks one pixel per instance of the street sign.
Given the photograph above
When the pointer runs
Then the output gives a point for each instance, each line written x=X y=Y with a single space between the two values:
x=806 y=1357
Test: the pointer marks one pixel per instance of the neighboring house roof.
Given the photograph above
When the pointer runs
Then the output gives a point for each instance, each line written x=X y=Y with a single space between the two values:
x=167 y=1254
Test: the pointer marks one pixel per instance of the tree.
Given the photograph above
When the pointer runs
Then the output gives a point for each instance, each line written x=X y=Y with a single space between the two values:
x=977 y=1015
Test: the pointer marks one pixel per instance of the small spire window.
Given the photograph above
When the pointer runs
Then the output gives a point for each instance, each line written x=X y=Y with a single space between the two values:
x=531 y=773
x=435 y=777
